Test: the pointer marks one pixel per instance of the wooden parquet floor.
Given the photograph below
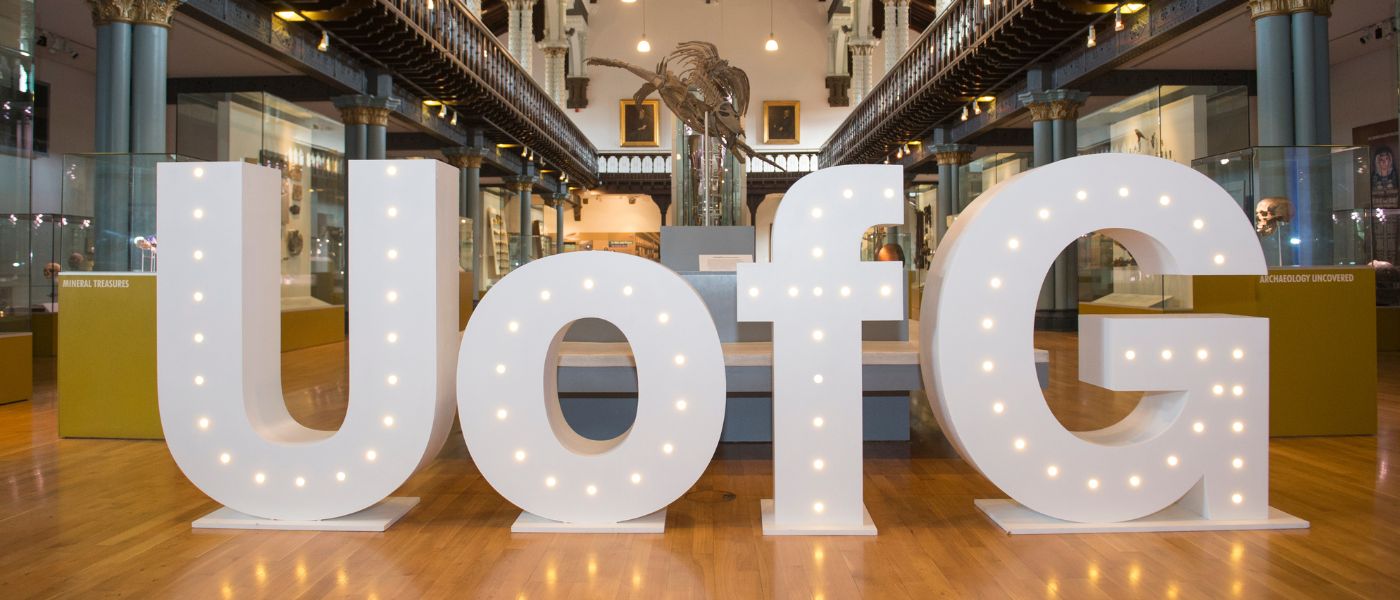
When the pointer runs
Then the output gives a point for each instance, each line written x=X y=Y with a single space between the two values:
x=103 y=518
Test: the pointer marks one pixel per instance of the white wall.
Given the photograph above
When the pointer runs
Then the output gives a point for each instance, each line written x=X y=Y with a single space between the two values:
x=797 y=71
x=1363 y=91
x=612 y=214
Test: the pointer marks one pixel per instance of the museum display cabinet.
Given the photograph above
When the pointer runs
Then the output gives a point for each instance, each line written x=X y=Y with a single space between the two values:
x=308 y=149
x=1312 y=210
x=17 y=300
x=981 y=174
x=1310 y=205
x=1178 y=123
x=105 y=295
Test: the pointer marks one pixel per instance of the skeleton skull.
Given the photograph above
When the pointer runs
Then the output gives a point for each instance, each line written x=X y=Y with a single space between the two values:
x=1270 y=213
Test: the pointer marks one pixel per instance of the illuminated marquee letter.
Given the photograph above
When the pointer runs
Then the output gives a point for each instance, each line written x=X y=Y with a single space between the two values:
x=1197 y=443
x=816 y=291
x=218 y=347
x=508 y=392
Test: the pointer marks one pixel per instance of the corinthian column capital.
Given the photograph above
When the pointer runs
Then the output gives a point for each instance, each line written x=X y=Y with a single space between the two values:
x=105 y=12
x=155 y=12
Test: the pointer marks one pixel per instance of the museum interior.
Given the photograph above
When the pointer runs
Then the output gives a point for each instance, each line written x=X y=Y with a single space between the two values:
x=636 y=154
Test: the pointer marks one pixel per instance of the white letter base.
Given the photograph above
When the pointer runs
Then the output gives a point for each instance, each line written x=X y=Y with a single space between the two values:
x=1016 y=519
x=375 y=518
x=531 y=523
x=867 y=526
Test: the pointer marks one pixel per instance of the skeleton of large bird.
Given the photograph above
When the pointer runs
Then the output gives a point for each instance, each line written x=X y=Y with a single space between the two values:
x=724 y=92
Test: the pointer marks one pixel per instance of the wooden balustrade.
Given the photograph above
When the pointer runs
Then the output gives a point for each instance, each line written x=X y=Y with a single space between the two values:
x=963 y=54
x=449 y=55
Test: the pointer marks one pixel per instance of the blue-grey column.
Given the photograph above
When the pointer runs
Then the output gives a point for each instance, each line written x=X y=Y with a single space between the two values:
x=376 y=140
x=1274 y=71
x=149 y=44
x=560 y=205
x=468 y=160
x=113 y=126
x=366 y=121
x=471 y=183
x=523 y=187
x=1322 y=74
x=1042 y=128
x=111 y=206
x=355 y=141
x=1304 y=79
x=945 y=199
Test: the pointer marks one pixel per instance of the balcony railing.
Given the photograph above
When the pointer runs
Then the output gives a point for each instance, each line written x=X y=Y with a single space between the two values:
x=642 y=163
x=448 y=54
x=966 y=50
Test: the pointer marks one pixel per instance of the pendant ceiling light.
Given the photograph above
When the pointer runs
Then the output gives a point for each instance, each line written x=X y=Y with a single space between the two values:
x=772 y=44
x=644 y=46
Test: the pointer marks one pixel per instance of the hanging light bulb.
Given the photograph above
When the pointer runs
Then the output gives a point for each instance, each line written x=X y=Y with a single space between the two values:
x=442 y=112
x=976 y=107
x=1092 y=40
x=964 y=114
x=1118 y=19
x=454 y=117
x=772 y=44
x=325 y=42
x=644 y=46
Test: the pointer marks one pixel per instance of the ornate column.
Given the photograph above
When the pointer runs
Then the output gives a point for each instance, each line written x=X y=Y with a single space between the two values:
x=555 y=47
x=1274 y=70
x=888 y=36
x=150 y=35
x=1054 y=133
x=862 y=44
x=559 y=202
x=896 y=36
x=523 y=184
x=901 y=37
x=862 y=63
x=1042 y=128
x=576 y=78
x=112 y=19
x=838 y=72
x=468 y=160
x=366 y=121
x=950 y=157
x=520 y=32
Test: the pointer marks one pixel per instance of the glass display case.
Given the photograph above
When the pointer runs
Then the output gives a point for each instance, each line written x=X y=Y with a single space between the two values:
x=112 y=197
x=1310 y=205
x=16 y=152
x=1178 y=123
x=1175 y=122
x=980 y=175
x=728 y=181
x=308 y=148
x=51 y=233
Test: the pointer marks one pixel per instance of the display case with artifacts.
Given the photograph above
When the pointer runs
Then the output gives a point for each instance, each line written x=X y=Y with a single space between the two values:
x=308 y=149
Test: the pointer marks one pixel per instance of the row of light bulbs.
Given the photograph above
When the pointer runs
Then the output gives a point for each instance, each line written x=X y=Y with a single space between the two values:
x=644 y=46
x=1093 y=483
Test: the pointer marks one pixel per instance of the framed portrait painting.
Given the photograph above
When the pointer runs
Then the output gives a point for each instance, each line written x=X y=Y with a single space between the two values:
x=781 y=121
x=639 y=125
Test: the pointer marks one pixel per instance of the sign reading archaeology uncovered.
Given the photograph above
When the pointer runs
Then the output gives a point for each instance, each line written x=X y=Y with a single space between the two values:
x=1197 y=444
